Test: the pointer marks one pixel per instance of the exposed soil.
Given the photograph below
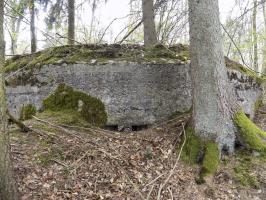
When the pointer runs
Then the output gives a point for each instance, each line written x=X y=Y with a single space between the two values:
x=56 y=162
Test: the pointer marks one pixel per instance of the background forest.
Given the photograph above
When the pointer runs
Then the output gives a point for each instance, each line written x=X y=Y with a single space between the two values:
x=109 y=21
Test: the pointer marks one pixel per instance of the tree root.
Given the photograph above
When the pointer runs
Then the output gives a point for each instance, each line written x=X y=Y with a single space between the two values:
x=252 y=135
x=20 y=124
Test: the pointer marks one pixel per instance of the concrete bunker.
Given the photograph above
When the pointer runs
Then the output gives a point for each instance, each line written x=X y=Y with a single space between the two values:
x=138 y=87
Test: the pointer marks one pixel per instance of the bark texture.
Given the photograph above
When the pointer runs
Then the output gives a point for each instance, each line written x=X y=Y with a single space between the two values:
x=32 y=27
x=149 y=23
x=7 y=184
x=15 y=27
x=264 y=48
x=255 y=37
x=71 y=22
x=212 y=94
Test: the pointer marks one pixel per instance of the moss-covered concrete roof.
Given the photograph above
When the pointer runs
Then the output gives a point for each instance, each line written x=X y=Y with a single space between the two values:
x=101 y=54
x=98 y=54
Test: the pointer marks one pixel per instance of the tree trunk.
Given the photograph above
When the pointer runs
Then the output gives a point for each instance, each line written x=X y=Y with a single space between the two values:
x=32 y=27
x=255 y=37
x=212 y=114
x=148 y=23
x=71 y=22
x=264 y=48
x=15 y=27
x=7 y=183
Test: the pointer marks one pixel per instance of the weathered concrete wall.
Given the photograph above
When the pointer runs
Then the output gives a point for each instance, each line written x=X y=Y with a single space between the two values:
x=134 y=94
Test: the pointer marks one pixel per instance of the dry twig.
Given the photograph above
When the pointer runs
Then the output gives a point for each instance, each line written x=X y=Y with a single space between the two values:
x=173 y=169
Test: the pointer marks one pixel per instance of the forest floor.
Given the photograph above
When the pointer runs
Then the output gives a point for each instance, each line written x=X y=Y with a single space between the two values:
x=60 y=162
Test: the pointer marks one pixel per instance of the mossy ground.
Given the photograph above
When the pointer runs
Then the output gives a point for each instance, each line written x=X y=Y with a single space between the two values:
x=46 y=162
x=65 y=117
x=205 y=153
x=75 y=105
x=245 y=167
x=252 y=135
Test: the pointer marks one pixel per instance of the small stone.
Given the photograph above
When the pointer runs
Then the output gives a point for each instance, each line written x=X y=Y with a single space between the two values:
x=59 y=61
x=255 y=154
x=93 y=61
x=171 y=62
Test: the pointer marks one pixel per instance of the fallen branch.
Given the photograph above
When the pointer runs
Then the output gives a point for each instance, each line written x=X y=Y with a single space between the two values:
x=149 y=194
x=173 y=169
x=130 y=32
x=60 y=163
x=171 y=193
x=58 y=127
x=154 y=180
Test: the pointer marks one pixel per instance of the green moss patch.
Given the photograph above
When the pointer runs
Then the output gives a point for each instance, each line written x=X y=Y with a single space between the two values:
x=211 y=159
x=77 y=104
x=192 y=147
x=205 y=153
x=27 y=111
x=243 y=171
x=252 y=135
x=101 y=53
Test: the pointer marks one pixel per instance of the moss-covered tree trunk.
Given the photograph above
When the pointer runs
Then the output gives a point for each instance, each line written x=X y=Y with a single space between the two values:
x=7 y=184
x=150 y=37
x=32 y=27
x=71 y=22
x=212 y=96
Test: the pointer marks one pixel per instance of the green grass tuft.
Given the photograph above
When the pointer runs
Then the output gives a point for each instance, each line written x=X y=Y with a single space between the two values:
x=243 y=171
x=27 y=111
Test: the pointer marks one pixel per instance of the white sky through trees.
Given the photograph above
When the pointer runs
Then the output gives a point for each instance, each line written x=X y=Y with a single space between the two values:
x=105 y=13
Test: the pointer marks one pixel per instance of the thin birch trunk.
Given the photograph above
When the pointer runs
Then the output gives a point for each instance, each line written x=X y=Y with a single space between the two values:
x=255 y=37
x=32 y=27
x=71 y=22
